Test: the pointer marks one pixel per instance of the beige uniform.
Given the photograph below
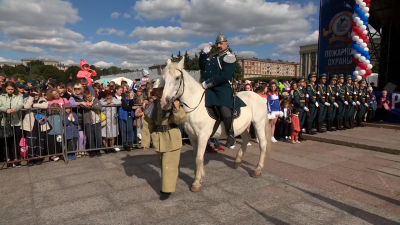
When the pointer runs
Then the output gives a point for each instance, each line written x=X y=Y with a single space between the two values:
x=167 y=143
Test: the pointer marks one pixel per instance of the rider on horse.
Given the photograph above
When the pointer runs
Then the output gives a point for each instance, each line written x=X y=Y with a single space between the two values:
x=218 y=75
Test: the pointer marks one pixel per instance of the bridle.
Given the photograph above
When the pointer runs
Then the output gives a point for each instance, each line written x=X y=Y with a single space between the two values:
x=177 y=95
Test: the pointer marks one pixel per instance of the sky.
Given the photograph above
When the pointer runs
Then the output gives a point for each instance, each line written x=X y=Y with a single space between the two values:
x=138 y=34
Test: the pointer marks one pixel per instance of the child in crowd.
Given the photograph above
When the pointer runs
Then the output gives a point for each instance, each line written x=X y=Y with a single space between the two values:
x=383 y=106
x=295 y=125
x=372 y=104
x=118 y=92
x=139 y=106
x=110 y=131
x=72 y=132
x=126 y=114
x=91 y=109
x=87 y=73
x=144 y=80
x=54 y=137
x=284 y=121
x=35 y=126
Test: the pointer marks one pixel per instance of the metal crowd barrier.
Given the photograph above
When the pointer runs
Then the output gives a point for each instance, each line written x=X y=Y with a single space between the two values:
x=37 y=141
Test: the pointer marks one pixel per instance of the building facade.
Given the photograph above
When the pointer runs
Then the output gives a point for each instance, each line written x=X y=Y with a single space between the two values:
x=253 y=67
x=308 y=59
x=47 y=62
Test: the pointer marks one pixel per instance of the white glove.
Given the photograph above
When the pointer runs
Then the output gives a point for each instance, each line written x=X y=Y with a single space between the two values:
x=306 y=109
x=207 y=49
x=358 y=103
x=327 y=104
x=204 y=85
x=316 y=104
x=318 y=92
x=336 y=105
x=337 y=93
x=307 y=96
x=346 y=103
x=366 y=104
x=354 y=103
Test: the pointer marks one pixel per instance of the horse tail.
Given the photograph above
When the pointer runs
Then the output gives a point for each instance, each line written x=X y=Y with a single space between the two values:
x=268 y=137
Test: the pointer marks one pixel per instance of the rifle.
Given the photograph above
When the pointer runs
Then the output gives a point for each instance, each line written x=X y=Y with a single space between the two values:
x=307 y=99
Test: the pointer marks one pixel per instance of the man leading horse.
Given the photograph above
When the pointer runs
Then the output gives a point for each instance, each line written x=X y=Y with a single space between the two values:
x=218 y=79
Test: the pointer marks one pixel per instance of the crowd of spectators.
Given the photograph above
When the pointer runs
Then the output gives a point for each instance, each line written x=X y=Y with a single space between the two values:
x=37 y=117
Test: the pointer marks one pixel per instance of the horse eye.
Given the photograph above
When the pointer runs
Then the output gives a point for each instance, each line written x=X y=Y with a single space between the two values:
x=177 y=78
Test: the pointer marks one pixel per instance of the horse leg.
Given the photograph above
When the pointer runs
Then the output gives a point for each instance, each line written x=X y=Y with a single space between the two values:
x=264 y=136
x=245 y=139
x=200 y=173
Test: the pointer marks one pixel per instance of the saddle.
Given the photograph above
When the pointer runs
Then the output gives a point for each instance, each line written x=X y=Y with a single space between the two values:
x=214 y=114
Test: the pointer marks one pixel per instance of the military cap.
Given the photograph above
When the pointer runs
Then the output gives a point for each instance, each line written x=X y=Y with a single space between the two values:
x=321 y=76
x=19 y=84
x=355 y=79
x=348 y=77
x=312 y=74
x=158 y=82
x=301 y=79
x=340 y=76
x=362 y=80
x=26 y=88
x=333 y=77
x=44 y=82
x=32 y=81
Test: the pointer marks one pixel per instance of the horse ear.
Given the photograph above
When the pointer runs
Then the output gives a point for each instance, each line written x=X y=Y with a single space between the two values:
x=168 y=61
x=181 y=63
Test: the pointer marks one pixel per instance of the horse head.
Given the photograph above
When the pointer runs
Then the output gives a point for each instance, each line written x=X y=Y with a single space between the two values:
x=173 y=89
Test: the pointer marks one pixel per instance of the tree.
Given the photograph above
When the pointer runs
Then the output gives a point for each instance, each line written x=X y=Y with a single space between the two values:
x=51 y=72
x=20 y=69
x=179 y=56
x=35 y=63
x=8 y=70
x=187 y=65
x=238 y=75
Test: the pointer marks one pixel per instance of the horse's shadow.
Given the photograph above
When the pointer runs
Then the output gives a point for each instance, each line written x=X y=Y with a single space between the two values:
x=144 y=167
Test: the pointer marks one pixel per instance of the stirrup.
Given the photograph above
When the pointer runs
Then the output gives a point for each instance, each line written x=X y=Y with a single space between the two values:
x=230 y=142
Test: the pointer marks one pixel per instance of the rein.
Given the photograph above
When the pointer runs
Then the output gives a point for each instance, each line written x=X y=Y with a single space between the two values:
x=183 y=91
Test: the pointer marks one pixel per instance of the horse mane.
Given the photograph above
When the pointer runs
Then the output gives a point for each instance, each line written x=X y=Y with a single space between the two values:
x=172 y=67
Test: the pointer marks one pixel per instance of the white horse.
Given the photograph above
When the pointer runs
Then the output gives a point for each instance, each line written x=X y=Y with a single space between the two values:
x=199 y=125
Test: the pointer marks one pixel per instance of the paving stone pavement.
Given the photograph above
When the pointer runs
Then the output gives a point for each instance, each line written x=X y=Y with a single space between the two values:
x=307 y=183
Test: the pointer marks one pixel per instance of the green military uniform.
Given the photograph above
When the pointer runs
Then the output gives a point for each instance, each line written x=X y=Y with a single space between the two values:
x=363 y=101
x=312 y=103
x=218 y=70
x=300 y=104
x=160 y=126
x=322 y=103
x=341 y=89
x=356 y=99
x=332 y=94
x=350 y=109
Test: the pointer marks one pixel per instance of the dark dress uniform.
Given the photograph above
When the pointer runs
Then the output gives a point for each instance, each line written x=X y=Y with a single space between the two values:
x=350 y=108
x=363 y=101
x=341 y=89
x=356 y=99
x=312 y=103
x=300 y=103
x=331 y=92
x=322 y=107
x=218 y=70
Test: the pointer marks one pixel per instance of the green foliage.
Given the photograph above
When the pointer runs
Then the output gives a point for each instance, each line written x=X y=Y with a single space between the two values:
x=35 y=63
x=238 y=72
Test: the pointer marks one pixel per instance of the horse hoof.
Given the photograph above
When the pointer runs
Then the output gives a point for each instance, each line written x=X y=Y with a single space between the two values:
x=195 y=188
x=256 y=174
x=237 y=165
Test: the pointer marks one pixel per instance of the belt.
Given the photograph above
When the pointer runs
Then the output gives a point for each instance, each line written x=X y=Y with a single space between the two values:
x=333 y=97
x=302 y=100
x=162 y=128
x=314 y=96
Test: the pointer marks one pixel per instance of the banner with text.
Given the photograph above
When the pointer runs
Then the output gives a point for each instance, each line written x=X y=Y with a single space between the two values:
x=334 y=45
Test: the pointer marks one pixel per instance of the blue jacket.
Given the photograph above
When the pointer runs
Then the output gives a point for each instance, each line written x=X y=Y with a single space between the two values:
x=372 y=102
x=126 y=109
x=55 y=124
x=274 y=103
x=71 y=127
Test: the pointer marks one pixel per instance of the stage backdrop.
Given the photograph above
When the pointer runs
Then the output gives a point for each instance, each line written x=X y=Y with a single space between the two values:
x=334 y=45
x=394 y=115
